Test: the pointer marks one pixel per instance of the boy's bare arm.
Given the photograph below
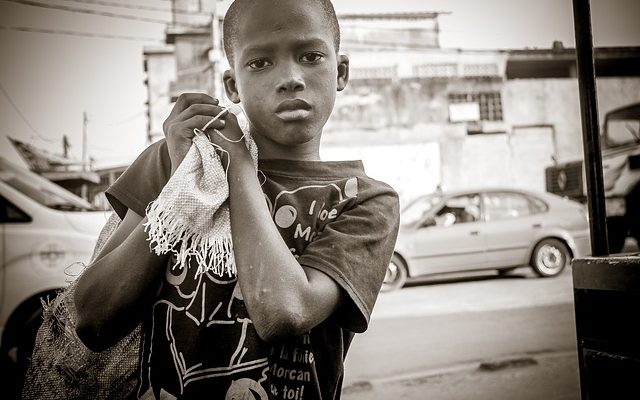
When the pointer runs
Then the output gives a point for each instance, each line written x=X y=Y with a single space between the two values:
x=123 y=281
x=112 y=294
x=282 y=297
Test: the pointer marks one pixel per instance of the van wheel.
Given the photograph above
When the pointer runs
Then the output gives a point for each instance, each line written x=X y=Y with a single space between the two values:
x=396 y=275
x=550 y=257
x=25 y=346
x=16 y=354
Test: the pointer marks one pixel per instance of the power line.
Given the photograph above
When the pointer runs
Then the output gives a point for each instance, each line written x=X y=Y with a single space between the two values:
x=24 y=119
x=84 y=34
x=95 y=12
x=138 y=7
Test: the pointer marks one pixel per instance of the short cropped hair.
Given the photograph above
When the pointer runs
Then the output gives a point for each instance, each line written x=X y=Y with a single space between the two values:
x=230 y=24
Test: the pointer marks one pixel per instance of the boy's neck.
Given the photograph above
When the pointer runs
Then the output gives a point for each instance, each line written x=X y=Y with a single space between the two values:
x=267 y=149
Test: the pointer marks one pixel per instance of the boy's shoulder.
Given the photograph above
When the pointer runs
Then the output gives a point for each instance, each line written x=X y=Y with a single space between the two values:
x=155 y=156
x=348 y=177
x=142 y=181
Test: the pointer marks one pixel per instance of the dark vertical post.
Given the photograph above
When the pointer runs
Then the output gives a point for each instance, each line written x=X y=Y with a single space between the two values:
x=590 y=127
x=592 y=156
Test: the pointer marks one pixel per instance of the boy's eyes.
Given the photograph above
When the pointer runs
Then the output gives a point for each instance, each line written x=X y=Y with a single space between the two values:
x=309 y=58
x=259 y=64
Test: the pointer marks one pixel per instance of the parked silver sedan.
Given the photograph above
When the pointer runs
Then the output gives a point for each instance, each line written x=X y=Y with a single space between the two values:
x=487 y=229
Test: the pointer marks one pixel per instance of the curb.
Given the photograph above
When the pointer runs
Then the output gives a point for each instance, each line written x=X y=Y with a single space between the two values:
x=486 y=366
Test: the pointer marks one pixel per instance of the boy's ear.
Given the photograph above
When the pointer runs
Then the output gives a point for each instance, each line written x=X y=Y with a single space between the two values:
x=229 y=79
x=343 y=71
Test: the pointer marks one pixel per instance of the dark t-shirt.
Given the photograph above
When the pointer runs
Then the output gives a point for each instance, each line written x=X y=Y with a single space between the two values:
x=199 y=341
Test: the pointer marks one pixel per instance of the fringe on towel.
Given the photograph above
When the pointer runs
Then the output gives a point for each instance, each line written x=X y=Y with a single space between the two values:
x=169 y=232
x=190 y=217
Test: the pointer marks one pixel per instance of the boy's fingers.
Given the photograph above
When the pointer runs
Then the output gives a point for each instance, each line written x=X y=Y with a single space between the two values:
x=187 y=99
x=200 y=109
x=199 y=121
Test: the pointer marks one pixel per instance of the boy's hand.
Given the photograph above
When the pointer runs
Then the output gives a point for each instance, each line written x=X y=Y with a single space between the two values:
x=192 y=110
x=230 y=139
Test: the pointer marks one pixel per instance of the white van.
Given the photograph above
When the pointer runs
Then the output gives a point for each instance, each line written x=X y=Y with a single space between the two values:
x=47 y=234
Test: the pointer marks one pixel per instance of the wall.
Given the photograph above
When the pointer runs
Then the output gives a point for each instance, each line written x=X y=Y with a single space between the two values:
x=557 y=102
x=417 y=115
x=384 y=103
x=411 y=169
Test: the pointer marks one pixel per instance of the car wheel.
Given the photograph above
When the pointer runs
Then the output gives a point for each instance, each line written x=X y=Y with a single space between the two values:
x=550 y=257
x=396 y=275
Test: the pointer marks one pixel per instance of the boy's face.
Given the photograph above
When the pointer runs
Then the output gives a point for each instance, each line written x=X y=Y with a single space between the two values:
x=285 y=72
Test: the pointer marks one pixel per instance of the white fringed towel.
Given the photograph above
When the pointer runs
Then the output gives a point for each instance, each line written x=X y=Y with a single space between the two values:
x=190 y=217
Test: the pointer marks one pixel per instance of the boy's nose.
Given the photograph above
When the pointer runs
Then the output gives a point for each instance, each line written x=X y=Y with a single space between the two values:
x=291 y=81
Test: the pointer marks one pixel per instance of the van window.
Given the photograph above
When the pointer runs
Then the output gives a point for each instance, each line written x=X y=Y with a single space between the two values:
x=623 y=126
x=9 y=213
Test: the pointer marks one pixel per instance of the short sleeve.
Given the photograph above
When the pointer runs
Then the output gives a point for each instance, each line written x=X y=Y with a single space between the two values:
x=355 y=250
x=142 y=182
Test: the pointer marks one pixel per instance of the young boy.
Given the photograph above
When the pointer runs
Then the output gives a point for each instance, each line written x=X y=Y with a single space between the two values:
x=311 y=242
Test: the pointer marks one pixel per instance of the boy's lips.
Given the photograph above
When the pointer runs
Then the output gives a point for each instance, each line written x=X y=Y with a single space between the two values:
x=292 y=110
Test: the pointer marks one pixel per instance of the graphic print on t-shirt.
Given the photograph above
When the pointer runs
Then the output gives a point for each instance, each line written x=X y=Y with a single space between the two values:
x=202 y=337
x=301 y=215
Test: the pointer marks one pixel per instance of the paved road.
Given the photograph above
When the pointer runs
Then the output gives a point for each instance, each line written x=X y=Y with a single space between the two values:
x=435 y=338
x=551 y=376
x=440 y=325
x=444 y=341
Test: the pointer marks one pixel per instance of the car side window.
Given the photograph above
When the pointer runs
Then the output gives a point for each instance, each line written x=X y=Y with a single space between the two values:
x=538 y=206
x=9 y=213
x=501 y=206
x=459 y=210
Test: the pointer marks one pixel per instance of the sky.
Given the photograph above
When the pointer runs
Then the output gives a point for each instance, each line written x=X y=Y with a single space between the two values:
x=47 y=80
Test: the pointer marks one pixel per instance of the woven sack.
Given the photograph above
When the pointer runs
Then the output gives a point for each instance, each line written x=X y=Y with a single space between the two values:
x=63 y=368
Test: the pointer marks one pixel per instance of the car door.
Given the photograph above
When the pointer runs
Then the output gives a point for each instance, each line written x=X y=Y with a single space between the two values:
x=449 y=238
x=509 y=227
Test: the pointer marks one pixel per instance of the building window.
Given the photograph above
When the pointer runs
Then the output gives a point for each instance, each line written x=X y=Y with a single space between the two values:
x=435 y=70
x=374 y=73
x=489 y=103
x=480 y=70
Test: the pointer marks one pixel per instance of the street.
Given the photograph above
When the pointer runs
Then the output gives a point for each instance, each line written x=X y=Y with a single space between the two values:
x=470 y=337
x=443 y=323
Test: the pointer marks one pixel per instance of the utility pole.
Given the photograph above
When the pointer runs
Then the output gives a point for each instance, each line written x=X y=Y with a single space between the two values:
x=84 y=140
x=65 y=146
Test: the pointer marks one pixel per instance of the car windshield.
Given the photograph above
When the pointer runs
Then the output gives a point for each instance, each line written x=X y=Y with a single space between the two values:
x=40 y=189
x=623 y=127
x=417 y=209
